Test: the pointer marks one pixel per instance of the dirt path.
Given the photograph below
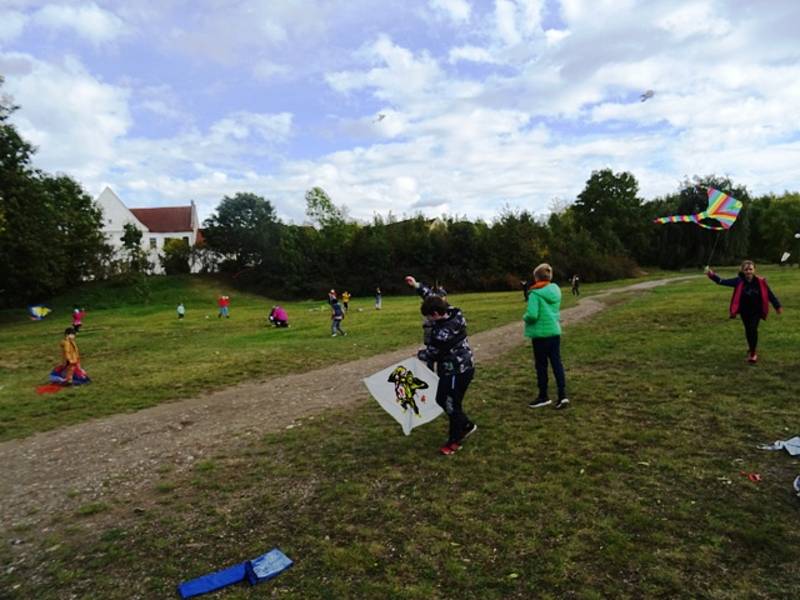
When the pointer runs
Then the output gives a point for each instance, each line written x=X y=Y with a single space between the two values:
x=122 y=455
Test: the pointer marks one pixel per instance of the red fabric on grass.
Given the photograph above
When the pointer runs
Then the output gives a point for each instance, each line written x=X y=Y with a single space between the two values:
x=49 y=388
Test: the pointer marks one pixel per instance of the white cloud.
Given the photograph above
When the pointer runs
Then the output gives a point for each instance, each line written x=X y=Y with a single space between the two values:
x=266 y=70
x=88 y=21
x=12 y=24
x=471 y=54
x=531 y=16
x=506 y=22
x=272 y=128
x=694 y=19
x=402 y=75
x=554 y=36
x=72 y=117
x=495 y=111
x=458 y=11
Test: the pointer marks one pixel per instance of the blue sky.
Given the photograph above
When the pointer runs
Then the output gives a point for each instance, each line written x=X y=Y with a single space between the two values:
x=488 y=103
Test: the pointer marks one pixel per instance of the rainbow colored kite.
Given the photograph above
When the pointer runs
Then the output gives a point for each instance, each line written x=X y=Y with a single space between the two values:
x=721 y=207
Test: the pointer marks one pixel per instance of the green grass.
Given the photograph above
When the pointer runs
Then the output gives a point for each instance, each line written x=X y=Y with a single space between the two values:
x=140 y=355
x=634 y=492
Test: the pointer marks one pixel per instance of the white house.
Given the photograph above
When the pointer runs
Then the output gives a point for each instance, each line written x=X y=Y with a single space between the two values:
x=156 y=224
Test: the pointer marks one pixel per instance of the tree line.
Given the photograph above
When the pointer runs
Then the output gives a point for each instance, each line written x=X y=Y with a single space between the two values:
x=607 y=233
x=51 y=238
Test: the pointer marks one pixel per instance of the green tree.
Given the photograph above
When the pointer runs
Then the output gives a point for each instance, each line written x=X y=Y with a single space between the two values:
x=136 y=260
x=244 y=229
x=335 y=233
x=177 y=257
x=321 y=209
x=609 y=209
x=50 y=236
x=774 y=222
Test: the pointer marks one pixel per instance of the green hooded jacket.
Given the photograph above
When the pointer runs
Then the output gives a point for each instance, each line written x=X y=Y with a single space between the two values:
x=542 y=319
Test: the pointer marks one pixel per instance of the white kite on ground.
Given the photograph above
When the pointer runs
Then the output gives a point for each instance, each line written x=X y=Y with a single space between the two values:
x=792 y=446
x=407 y=391
x=785 y=256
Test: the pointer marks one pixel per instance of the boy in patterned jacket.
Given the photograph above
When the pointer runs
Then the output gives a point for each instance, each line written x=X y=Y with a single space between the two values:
x=448 y=349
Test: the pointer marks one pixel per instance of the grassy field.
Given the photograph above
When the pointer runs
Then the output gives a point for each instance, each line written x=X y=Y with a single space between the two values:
x=140 y=355
x=635 y=492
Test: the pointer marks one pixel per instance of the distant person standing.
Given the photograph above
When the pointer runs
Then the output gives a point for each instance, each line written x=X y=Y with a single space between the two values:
x=77 y=318
x=542 y=325
x=224 y=303
x=337 y=316
x=346 y=300
x=181 y=310
x=576 y=285
x=378 y=298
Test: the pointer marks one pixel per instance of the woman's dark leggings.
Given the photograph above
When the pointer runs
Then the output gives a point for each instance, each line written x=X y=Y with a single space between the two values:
x=544 y=350
x=450 y=396
x=751 y=330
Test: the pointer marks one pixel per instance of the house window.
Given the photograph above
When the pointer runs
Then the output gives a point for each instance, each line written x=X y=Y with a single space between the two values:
x=152 y=243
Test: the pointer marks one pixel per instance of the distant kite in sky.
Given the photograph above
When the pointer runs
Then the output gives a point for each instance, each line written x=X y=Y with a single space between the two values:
x=647 y=95
x=381 y=117
x=721 y=207
x=38 y=312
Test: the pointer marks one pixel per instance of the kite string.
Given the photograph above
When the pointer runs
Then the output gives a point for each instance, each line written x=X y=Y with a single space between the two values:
x=714 y=247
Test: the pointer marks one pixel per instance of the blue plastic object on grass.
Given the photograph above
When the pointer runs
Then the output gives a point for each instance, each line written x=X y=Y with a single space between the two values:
x=267 y=566
x=213 y=581
x=263 y=568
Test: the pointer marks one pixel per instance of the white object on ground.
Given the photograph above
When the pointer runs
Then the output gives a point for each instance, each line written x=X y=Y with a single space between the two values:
x=792 y=446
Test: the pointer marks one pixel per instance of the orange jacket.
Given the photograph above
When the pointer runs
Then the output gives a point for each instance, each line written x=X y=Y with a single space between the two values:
x=70 y=350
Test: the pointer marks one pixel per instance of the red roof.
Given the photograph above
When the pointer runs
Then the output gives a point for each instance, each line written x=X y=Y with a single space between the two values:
x=165 y=220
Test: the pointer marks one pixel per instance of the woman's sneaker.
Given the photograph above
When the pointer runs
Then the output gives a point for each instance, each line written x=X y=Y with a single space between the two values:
x=561 y=404
x=538 y=403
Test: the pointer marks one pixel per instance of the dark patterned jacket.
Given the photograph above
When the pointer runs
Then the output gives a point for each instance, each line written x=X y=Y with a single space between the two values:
x=446 y=341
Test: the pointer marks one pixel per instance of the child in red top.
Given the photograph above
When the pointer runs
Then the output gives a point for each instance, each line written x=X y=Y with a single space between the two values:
x=751 y=299
x=223 y=303
x=77 y=318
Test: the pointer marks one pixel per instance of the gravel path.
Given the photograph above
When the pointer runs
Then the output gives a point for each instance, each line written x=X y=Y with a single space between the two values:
x=120 y=456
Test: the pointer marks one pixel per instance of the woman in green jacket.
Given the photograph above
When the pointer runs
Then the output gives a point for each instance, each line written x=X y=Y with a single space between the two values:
x=542 y=325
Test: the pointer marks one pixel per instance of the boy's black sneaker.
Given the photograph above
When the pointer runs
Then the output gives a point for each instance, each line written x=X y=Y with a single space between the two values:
x=538 y=403
x=561 y=404
x=469 y=431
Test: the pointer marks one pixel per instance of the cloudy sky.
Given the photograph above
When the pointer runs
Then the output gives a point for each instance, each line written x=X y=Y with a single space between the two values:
x=486 y=104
